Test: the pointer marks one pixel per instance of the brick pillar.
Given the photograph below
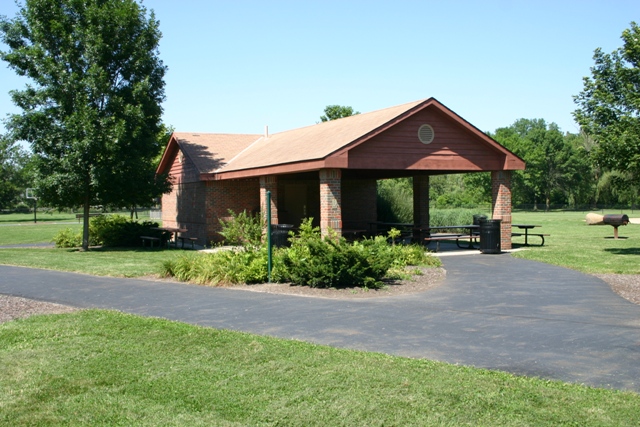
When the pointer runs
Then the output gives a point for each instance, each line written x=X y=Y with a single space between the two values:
x=330 y=200
x=269 y=183
x=420 y=203
x=501 y=199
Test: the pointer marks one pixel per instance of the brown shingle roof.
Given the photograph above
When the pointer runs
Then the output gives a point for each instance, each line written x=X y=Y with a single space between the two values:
x=321 y=145
x=212 y=151
x=312 y=142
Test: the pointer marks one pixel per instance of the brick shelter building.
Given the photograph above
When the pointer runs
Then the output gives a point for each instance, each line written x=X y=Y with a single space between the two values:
x=328 y=171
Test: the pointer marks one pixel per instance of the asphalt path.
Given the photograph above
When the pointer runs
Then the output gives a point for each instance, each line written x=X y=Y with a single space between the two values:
x=492 y=311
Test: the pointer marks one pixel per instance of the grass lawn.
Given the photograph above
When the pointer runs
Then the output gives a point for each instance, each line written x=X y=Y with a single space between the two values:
x=16 y=229
x=104 y=368
x=123 y=262
x=586 y=248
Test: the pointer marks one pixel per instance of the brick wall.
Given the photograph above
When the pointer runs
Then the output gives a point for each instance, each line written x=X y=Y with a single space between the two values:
x=238 y=195
x=501 y=195
x=330 y=200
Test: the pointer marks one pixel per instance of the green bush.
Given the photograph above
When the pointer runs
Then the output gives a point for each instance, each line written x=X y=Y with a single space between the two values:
x=119 y=231
x=242 y=229
x=68 y=238
x=312 y=260
x=332 y=262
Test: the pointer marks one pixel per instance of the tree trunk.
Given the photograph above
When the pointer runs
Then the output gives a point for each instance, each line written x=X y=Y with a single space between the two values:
x=85 y=223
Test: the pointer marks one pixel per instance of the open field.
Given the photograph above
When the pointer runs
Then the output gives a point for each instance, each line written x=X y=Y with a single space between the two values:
x=105 y=368
x=576 y=245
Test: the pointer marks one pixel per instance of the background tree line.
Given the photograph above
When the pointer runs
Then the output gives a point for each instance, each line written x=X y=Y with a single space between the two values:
x=103 y=148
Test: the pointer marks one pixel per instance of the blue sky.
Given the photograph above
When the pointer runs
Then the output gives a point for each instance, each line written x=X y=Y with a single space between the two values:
x=238 y=65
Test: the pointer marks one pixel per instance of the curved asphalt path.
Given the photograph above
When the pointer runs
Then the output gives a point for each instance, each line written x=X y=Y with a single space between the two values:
x=493 y=311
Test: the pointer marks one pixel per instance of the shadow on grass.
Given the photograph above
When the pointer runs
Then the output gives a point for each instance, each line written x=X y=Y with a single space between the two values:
x=623 y=251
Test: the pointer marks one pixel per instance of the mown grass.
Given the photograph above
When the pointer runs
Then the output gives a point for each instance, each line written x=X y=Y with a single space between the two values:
x=576 y=245
x=118 y=262
x=104 y=368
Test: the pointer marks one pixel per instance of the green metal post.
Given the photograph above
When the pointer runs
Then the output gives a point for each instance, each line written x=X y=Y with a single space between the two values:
x=269 y=235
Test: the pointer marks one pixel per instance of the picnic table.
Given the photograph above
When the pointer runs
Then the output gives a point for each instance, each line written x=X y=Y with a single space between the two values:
x=174 y=236
x=470 y=234
x=526 y=234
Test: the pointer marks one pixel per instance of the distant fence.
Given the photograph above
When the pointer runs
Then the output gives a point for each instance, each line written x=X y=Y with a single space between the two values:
x=155 y=214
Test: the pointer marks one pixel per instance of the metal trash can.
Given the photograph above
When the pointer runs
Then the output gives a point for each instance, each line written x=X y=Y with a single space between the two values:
x=490 y=236
x=280 y=234
x=478 y=218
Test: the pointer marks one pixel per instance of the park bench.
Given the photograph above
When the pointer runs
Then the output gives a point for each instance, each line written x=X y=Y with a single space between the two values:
x=150 y=239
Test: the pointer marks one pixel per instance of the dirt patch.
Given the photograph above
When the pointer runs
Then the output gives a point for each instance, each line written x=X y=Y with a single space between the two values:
x=16 y=307
x=625 y=285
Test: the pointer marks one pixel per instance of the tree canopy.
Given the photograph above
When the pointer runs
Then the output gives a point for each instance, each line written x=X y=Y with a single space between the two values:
x=558 y=168
x=92 y=111
x=333 y=112
x=609 y=105
x=13 y=172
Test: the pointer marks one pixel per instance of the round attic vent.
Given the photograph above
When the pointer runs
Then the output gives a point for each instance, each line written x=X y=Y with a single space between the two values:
x=426 y=134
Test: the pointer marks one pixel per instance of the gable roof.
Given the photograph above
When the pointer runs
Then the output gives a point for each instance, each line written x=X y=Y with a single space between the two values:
x=220 y=156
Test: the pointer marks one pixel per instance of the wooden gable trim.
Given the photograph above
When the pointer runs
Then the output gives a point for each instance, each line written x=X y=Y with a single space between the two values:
x=168 y=155
x=511 y=162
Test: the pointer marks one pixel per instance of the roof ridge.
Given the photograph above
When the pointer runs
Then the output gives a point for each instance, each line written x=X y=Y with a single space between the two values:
x=240 y=153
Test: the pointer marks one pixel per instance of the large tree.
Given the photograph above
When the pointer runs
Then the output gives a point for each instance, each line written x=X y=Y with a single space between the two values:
x=92 y=112
x=609 y=105
x=13 y=172
x=555 y=167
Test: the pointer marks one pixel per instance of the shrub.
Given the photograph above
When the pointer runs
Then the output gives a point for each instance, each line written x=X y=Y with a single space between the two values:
x=119 y=231
x=330 y=261
x=312 y=260
x=68 y=238
x=242 y=229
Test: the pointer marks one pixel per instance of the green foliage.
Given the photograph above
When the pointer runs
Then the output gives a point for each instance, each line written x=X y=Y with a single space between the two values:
x=92 y=112
x=312 y=260
x=68 y=238
x=443 y=217
x=558 y=166
x=460 y=190
x=395 y=200
x=609 y=106
x=332 y=262
x=334 y=112
x=224 y=267
x=119 y=231
x=111 y=231
x=14 y=173
x=242 y=229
